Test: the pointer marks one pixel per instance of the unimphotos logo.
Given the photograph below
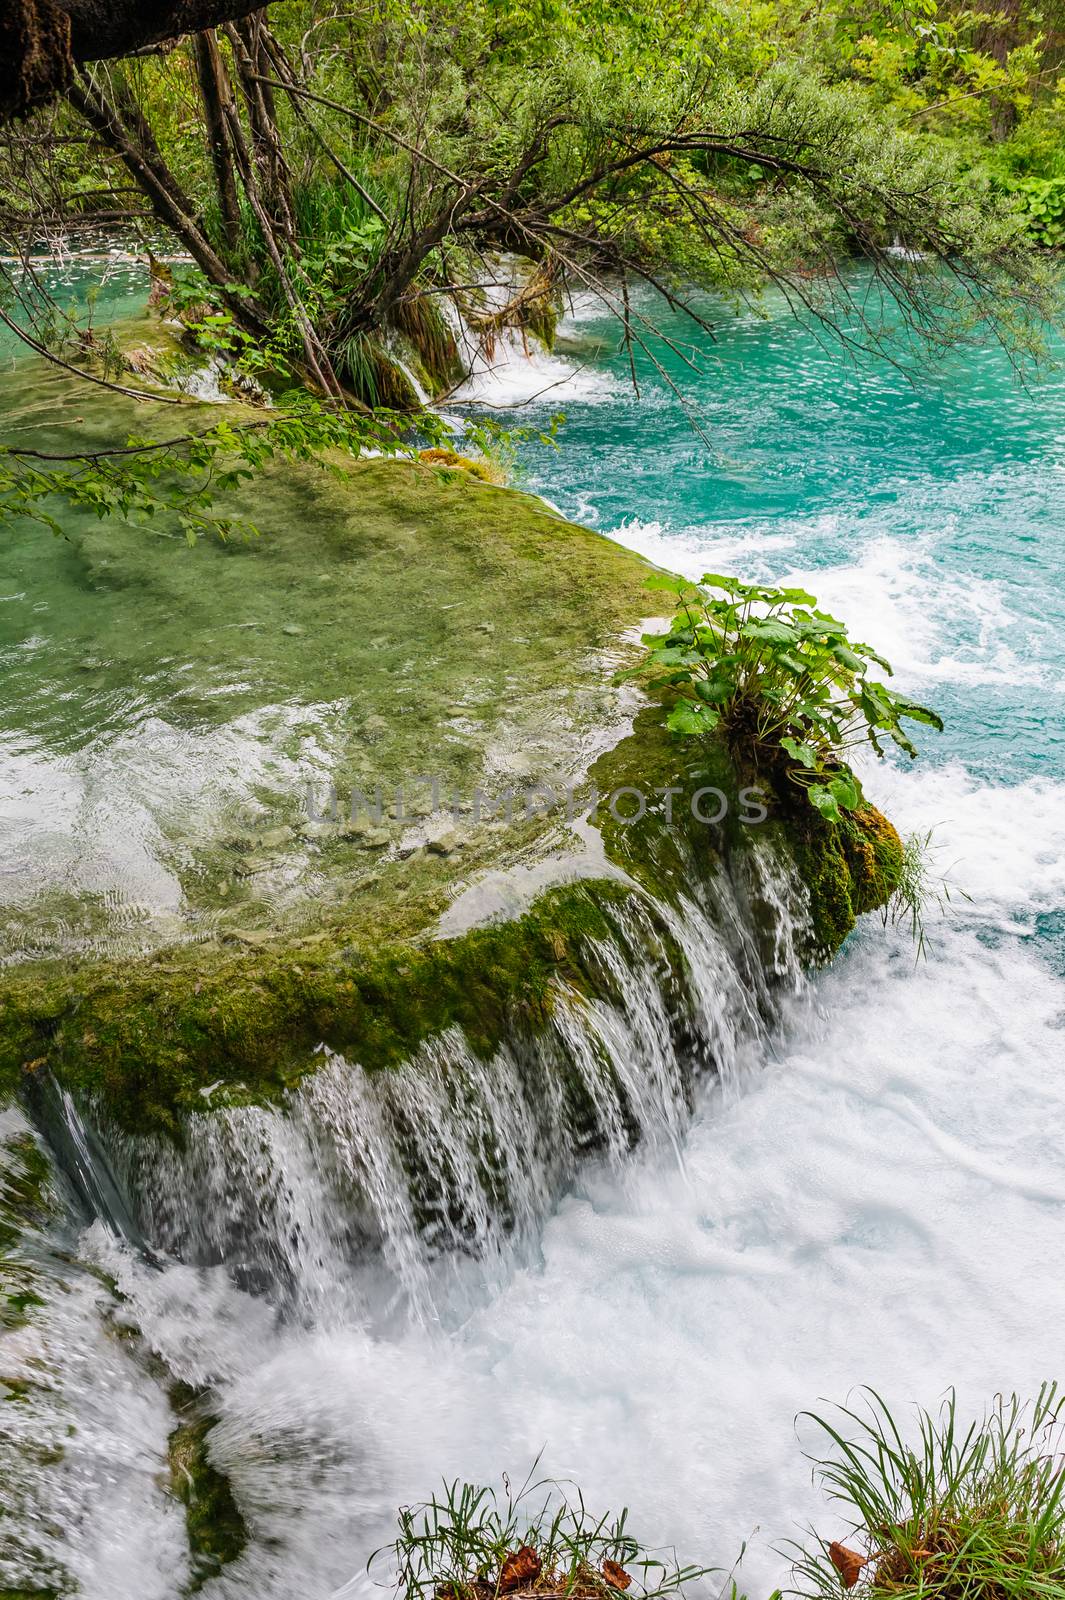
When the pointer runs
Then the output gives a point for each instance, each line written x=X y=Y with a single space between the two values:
x=421 y=795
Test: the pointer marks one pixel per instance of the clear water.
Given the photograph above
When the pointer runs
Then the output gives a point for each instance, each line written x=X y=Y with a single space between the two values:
x=880 y=1197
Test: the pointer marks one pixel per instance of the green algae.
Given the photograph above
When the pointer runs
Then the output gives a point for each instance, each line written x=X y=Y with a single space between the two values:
x=170 y=706
x=27 y=1202
x=150 y=1040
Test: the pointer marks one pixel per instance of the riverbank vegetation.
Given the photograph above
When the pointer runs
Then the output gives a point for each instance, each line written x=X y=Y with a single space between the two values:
x=940 y=1509
x=361 y=202
x=934 y=1509
x=470 y=1543
x=781 y=679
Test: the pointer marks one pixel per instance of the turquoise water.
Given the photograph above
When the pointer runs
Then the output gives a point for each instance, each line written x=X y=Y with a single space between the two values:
x=950 y=485
x=880 y=1198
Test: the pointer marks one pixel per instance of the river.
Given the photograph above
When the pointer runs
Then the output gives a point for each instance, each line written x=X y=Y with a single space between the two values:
x=877 y=1197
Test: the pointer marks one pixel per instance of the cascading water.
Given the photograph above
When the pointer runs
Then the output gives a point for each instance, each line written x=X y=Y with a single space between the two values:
x=767 y=1196
x=373 y=1209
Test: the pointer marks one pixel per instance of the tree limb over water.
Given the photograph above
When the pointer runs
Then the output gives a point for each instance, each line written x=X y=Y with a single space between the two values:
x=42 y=42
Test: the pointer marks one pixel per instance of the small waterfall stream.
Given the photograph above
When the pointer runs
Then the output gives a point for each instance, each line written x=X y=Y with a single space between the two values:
x=367 y=1207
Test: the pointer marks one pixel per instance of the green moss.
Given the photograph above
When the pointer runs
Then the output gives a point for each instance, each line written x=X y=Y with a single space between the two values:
x=216 y=1530
x=24 y=1179
x=849 y=868
x=149 y=1038
x=433 y=348
x=540 y=318
x=26 y=1202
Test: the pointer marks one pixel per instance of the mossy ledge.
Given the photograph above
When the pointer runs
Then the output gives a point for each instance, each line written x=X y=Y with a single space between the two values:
x=151 y=1038
x=519 y=607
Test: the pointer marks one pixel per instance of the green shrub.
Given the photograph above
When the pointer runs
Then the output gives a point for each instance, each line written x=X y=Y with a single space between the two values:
x=778 y=678
x=1043 y=203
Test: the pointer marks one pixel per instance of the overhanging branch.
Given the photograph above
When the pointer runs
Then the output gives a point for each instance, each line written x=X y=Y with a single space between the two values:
x=43 y=41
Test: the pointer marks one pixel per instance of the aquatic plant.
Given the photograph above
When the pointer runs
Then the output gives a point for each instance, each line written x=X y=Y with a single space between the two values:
x=918 y=887
x=943 y=1511
x=777 y=677
x=469 y=1543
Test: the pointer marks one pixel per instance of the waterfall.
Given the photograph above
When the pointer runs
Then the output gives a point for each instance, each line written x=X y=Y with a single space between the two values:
x=269 y=1257
x=364 y=1192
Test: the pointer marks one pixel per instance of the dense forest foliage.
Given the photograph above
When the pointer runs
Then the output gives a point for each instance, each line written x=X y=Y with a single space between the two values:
x=345 y=183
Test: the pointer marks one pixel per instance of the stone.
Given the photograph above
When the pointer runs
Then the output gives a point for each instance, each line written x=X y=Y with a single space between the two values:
x=273 y=838
x=445 y=844
x=374 y=839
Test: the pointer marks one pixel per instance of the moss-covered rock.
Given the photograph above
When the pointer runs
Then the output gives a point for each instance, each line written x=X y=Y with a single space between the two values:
x=217 y=1532
x=150 y=1038
x=849 y=868
x=391 y=621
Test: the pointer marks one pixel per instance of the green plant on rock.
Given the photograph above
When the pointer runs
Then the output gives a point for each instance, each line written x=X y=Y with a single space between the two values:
x=776 y=676
x=943 y=1510
x=918 y=888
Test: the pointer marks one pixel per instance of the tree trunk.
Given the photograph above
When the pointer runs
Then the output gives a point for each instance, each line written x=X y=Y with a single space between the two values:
x=43 y=41
x=998 y=37
x=209 y=70
x=136 y=149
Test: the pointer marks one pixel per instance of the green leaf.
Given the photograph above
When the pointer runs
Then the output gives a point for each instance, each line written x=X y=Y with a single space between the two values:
x=688 y=718
x=919 y=713
x=804 y=753
x=714 y=690
x=847 y=658
x=771 y=629
x=794 y=664
x=844 y=790
x=823 y=800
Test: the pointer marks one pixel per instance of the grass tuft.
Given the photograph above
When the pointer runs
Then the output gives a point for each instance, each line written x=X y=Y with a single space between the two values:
x=541 y=1543
x=943 y=1511
x=918 y=888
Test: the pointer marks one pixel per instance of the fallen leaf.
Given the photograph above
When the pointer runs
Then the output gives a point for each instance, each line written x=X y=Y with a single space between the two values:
x=519 y=1566
x=848 y=1563
x=616 y=1576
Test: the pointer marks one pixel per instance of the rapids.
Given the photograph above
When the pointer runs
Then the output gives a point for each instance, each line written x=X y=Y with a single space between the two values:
x=869 y=1194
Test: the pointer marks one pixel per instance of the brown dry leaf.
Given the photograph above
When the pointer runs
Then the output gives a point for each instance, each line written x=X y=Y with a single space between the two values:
x=848 y=1563
x=616 y=1576
x=519 y=1567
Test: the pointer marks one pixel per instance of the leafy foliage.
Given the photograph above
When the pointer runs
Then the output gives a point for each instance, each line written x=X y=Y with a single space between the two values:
x=189 y=477
x=940 y=1510
x=1043 y=202
x=775 y=674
